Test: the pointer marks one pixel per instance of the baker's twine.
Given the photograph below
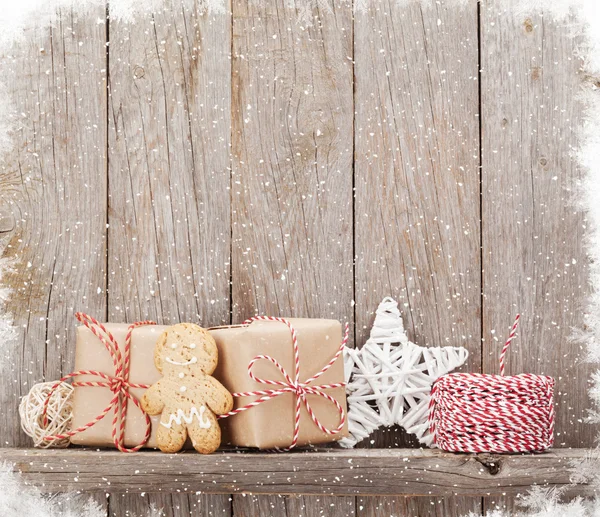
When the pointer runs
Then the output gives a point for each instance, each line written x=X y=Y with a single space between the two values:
x=294 y=385
x=473 y=412
x=118 y=383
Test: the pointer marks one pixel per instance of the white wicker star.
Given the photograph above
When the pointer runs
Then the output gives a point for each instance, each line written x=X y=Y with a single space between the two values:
x=389 y=379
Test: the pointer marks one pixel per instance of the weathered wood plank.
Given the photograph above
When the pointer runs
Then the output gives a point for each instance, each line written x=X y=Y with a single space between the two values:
x=514 y=505
x=508 y=505
x=331 y=472
x=292 y=171
x=79 y=504
x=417 y=185
x=418 y=506
x=136 y=505
x=293 y=506
x=210 y=505
x=171 y=504
x=51 y=183
x=292 y=165
x=169 y=134
x=533 y=257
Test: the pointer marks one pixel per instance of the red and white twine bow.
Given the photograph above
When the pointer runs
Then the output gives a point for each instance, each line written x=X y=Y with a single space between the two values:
x=293 y=385
x=119 y=384
x=473 y=412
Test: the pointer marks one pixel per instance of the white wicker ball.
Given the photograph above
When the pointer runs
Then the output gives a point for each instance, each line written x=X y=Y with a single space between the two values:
x=59 y=413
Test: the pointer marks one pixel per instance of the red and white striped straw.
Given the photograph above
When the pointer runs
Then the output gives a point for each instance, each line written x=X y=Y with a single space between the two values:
x=511 y=336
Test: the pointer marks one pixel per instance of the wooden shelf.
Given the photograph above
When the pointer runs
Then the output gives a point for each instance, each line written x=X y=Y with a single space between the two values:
x=401 y=472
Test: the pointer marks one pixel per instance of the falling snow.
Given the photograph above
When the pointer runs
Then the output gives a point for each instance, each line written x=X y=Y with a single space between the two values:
x=583 y=19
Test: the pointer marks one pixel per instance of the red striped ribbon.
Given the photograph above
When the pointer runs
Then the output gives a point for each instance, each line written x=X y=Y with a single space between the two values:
x=119 y=384
x=294 y=385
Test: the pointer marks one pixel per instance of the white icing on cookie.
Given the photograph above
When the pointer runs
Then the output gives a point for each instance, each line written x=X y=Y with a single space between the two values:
x=188 y=418
x=177 y=363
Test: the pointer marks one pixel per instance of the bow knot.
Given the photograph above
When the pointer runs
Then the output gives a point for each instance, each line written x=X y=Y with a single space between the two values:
x=118 y=383
x=295 y=386
x=300 y=390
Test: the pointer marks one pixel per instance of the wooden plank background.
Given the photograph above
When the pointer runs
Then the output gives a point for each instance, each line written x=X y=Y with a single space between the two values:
x=206 y=167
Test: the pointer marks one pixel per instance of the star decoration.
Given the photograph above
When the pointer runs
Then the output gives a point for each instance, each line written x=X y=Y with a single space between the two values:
x=389 y=379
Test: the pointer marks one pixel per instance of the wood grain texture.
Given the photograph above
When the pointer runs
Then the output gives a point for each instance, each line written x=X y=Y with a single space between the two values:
x=178 y=205
x=293 y=506
x=512 y=505
x=169 y=131
x=100 y=499
x=533 y=257
x=172 y=505
x=418 y=506
x=51 y=183
x=292 y=161
x=416 y=167
x=292 y=171
x=417 y=187
x=506 y=504
x=169 y=235
x=330 y=472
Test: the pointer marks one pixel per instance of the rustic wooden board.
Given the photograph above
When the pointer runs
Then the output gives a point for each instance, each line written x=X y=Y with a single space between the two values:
x=533 y=257
x=294 y=506
x=501 y=503
x=172 y=505
x=417 y=186
x=512 y=505
x=51 y=182
x=365 y=472
x=418 y=506
x=99 y=498
x=169 y=235
x=169 y=131
x=292 y=173
x=292 y=162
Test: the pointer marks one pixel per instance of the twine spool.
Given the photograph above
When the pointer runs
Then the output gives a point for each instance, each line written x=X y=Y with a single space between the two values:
x=473 y=412
x=59 y=413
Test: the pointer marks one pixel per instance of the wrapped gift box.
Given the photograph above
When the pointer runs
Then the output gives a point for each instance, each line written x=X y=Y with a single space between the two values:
x=271 y=424
x=268 y=425
x=88 y=402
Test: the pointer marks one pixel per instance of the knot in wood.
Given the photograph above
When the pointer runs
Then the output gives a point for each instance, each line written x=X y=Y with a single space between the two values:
x=491 y=463
x=7 y=222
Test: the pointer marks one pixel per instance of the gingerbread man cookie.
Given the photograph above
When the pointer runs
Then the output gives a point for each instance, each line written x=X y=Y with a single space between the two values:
x=187 y=397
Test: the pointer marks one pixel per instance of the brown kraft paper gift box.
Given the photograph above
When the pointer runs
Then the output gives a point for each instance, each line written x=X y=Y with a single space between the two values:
x=268 y=425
